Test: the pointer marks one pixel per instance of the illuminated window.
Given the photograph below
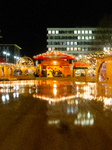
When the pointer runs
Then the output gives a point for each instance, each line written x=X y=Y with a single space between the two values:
x=67 y=43
x=49 y=48
x=75 y=32
x=93 y=37
x=90 y=31
x=49 y=32
x=68 y=48
x=79 y=37
x=78 y=31
x=79 y=48
x=75 y=48
x=86 y=37
x=57 y=31
x=86 y=32
x=82 y=37
x=75 y=43
x=71 y=43
x=90 y=37
x=82 y=49
x=53 y=32
x=82 y=31
x=71 y=48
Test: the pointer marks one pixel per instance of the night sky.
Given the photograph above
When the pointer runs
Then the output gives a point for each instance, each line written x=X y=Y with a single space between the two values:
x=25 y=23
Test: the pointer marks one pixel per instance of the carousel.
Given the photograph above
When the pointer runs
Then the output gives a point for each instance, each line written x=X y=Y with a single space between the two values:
x=25 y=68
x=54 y=64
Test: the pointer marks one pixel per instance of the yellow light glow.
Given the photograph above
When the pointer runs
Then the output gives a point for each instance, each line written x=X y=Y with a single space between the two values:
x=55 y=91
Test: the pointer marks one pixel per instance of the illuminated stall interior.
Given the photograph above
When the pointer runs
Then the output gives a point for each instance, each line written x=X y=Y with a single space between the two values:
x=25 y=67
x=6 y=70
x=54 y=63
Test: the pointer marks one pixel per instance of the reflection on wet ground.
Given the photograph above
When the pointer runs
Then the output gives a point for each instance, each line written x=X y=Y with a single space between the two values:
x=55 y=115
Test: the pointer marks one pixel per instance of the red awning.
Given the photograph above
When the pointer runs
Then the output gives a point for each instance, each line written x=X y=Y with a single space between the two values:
x=2 y=61
x=54 y=55
x=80 y=64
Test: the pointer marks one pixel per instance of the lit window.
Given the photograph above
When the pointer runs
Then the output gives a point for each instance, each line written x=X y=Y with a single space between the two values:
x=86 y=37
x=90 y=31
x=82 y=31
x=49 y=48
x=79 y=48
x=86 y=31
x=49 y=32
x=90 y=37
x=82 y=37
x=71 y=48
x=78 y=31
x=82 y=49
x=71 y=43
x=75 y=48
x=53 y=32
x=57 y=31
x=75 y=43
x=75 y=32
x=67 y=48
x=67 y=43
x=79 y=37
x=93 y=37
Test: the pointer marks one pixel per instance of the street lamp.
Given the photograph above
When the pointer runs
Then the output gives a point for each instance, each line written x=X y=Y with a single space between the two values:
x=6 y=54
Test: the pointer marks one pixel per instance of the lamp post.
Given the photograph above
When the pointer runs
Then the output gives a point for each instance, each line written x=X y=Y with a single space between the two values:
x=6 y=54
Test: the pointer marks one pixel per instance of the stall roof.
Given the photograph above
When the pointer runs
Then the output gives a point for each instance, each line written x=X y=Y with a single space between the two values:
x=80 y=64
x=54 y=55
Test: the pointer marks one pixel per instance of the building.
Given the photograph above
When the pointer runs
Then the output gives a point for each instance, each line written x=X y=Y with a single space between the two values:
x=74 y=41
x=10 y=52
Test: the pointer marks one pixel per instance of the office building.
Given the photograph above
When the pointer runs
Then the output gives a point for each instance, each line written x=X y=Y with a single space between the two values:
x=10 y=52
x=75 y=41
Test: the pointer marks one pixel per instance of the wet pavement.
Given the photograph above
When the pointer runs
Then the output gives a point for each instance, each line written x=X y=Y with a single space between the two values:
x=55 y=115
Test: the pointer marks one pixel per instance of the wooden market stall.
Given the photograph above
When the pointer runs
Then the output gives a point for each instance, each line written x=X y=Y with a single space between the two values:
x=54 y=64
x=82 y=72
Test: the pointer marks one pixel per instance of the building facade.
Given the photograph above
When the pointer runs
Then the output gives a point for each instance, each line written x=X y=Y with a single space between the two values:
x=75 y=41
x=10 y=52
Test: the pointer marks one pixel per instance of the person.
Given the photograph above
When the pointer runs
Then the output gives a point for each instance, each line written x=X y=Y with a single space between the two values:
x=53 y=73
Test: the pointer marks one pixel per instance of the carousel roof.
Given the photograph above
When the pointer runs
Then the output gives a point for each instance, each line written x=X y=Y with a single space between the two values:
x=54 y=55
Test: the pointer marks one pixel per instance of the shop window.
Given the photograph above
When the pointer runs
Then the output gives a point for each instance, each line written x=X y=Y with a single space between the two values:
x=102 y=72
x=80 y=72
